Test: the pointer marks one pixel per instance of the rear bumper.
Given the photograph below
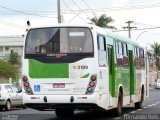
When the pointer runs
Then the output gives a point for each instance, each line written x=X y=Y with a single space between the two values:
x=79 y=106
x=58 y=101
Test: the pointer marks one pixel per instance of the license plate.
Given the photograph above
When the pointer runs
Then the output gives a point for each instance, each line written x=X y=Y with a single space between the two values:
x=58 y=85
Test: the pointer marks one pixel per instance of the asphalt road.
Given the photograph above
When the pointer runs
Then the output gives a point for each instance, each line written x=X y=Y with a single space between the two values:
x=151 y=109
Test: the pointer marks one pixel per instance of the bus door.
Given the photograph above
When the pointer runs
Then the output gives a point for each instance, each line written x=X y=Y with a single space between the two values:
x=131 y=69
x=102 y=59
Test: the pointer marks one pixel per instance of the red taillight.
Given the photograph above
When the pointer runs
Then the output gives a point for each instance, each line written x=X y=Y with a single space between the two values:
x=91 y=84
x=26 y=84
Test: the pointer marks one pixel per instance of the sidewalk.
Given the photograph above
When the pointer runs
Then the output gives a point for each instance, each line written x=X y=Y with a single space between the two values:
x=151 y=87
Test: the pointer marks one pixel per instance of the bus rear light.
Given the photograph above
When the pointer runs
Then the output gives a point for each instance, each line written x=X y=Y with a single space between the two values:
x=89 y=90
x=26 y=84
x=29 y=90
x=93 y=78
x=91 y=84
x=25 y=78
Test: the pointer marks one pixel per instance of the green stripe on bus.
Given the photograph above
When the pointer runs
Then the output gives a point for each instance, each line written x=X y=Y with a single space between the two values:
x=112 y=74
x=47 y=70
x=85 y=76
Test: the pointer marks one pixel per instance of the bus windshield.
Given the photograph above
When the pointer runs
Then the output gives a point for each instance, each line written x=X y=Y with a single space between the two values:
x=59 y=40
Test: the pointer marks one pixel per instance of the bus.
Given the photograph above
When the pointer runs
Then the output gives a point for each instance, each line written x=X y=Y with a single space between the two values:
x=82 y=67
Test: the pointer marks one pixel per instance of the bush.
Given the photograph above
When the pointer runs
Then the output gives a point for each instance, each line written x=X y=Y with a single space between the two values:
x=14 y=58
x=7 y=70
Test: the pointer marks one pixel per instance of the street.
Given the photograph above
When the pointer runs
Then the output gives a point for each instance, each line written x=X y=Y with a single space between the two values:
x=151 y=109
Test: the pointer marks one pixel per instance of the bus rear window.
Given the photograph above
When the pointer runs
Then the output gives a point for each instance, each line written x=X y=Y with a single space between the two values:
x=59 y=40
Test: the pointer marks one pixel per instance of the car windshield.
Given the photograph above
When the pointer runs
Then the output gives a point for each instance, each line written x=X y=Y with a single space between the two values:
x=14 y=88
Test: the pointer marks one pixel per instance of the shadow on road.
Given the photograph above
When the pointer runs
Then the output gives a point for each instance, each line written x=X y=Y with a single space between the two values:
x=96 y=115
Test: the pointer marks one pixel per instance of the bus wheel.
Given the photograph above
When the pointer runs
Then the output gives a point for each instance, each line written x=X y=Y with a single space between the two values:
x=118 y=110
x=138 y=105
x=64 y=113
x=1 y=108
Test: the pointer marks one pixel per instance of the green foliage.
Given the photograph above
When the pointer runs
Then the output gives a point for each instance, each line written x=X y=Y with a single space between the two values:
x=7 y=70
x=156 y=49
x=14 y=58
x=103 y=21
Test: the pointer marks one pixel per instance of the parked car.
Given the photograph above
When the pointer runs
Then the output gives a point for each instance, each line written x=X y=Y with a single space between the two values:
x=157 y=84
x=10 y=96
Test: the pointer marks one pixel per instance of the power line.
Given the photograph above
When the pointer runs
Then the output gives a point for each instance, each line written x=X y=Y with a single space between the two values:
x=138 y=29
x=89 y=10
x=11 y=24
x=143 y=24
x=75 y=16
x=72 y=11
x=25 y=12
x=80 y=8
x=89 y=7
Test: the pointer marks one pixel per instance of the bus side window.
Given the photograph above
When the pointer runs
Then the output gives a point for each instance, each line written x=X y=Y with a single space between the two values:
x=119 y=54
x=125 y=55
x=102 y=55
x=101 y=43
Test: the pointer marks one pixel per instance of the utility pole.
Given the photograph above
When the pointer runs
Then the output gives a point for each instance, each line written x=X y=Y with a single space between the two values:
x=129 y=28
x=59 y=11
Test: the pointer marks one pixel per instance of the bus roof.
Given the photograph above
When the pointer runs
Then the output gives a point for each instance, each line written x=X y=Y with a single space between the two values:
x=108 y=32
x=121 y=38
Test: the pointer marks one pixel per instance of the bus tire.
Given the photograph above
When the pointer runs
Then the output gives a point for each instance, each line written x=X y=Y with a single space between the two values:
x=138 y=105
x=1 y=108
x=118 y=110
x=64 y=113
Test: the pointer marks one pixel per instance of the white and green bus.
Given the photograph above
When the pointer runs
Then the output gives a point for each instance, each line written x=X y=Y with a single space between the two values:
x=82 y=67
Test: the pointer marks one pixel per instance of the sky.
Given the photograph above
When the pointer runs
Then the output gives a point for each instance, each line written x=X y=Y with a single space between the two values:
x=144 y=13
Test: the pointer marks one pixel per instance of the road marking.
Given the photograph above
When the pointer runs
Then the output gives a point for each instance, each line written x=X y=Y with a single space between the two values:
x=149 y=105
x=145 y=107
x=117 y=118
x=154 y=104
x=132 y=112
x=139 y=109
x=157 y=102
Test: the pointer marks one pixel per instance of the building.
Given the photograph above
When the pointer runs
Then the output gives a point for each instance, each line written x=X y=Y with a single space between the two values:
x=10 y=44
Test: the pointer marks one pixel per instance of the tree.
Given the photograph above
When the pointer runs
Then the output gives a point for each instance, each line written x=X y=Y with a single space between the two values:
x=14 y=58
x=103 y=21
x=7 y=70
x=156 y=49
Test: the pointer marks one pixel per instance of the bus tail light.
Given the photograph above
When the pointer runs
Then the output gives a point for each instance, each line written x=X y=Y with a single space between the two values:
x=93 y=77
x=92 y=84
x=26 y=85
x=25 y=78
